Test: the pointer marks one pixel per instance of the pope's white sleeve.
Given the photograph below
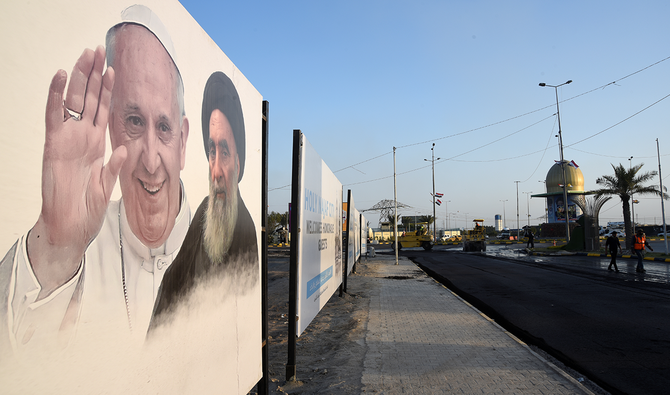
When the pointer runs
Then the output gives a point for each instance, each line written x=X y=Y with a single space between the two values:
x=33 y=322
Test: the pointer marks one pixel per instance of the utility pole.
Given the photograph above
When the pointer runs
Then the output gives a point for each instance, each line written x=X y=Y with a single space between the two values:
x=504 y=214
x=560 y=145
x=660 y=177
x=517 y=209
x=432 y=160
x=528 y=206
x=395 y=202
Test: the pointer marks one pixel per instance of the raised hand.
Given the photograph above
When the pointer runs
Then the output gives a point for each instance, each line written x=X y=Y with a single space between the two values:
x=76 y=185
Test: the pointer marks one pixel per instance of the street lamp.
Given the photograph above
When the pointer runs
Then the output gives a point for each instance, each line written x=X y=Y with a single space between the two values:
x=432 y=153
x=560 y=144
x=446 y=211
x=517 y=209
x=504 y=215
x=528 y=206
x=546 y=205
x=632 y=205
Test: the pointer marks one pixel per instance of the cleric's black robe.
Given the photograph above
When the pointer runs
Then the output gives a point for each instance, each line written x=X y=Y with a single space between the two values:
x=193 y=264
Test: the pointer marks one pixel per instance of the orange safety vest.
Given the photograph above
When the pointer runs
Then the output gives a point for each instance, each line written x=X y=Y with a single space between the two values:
x=638 y=243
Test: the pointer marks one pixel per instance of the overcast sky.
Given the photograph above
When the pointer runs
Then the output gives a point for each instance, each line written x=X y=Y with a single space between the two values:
x=361 y=77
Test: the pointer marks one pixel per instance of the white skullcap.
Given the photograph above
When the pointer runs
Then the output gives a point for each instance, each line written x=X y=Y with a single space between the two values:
x=142 y=15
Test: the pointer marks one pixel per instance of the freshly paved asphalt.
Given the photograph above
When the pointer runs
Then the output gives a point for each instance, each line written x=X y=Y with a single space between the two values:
x=612 y=327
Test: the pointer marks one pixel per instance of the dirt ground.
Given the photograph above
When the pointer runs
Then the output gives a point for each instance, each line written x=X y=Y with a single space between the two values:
x=331 y=351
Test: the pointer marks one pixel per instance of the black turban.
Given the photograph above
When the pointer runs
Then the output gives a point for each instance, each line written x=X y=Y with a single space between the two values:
x=220 y=94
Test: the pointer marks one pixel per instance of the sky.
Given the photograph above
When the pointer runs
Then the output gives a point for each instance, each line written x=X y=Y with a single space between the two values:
x=359 y=78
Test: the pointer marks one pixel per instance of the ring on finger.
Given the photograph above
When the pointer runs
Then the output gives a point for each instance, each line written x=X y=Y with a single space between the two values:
x=71 y=113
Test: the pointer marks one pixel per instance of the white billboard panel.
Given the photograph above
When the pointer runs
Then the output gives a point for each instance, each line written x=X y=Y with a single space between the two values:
x=81 y=305
x=320 y=245
x=364 y=235
x=357 y=238
x=353 y=235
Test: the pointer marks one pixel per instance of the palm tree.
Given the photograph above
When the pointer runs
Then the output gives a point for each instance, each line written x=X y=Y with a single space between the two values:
x=426 y=218
x=624 y=183
x=391 y=220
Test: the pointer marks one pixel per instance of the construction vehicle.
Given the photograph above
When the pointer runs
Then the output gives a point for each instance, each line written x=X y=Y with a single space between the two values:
x=475 y=239
x=421 y=237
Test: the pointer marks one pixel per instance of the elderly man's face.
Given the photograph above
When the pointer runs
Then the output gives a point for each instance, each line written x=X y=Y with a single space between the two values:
x=224 y=163
x=224 y=166
x=145 y=117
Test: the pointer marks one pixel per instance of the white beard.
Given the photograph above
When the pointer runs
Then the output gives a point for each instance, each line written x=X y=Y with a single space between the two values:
x=220 y=222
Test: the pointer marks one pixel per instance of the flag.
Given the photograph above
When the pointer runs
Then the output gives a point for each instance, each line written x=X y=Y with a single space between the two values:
x=439 y=195
x=438 y=201
x=573 y=164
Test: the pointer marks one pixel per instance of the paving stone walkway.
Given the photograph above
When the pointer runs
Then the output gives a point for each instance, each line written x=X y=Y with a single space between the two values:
x=423 y=339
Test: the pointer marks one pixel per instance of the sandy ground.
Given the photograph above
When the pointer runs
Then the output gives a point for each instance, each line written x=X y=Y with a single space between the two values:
x=330 y=353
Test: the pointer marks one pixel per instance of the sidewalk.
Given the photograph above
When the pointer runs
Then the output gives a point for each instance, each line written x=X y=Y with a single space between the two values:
x=423 y=339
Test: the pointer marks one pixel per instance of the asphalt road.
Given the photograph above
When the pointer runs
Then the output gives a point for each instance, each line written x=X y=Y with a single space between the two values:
x=612 y=327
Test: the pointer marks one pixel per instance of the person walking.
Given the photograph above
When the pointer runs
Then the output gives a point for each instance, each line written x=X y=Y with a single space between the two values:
x=531 y=239
x=639 y=244
x=612 y=244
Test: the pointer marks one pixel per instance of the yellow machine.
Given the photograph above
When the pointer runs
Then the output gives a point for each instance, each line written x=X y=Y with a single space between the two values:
x=478 y=232
x=475 y=239
x=421 y=237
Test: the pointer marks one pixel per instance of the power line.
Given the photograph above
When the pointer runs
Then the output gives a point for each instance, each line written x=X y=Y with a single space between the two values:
x=503 y=121
x=456 y=156
x=620 y=122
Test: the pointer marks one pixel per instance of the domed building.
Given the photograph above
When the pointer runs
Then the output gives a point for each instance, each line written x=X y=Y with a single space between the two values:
x=554 y=195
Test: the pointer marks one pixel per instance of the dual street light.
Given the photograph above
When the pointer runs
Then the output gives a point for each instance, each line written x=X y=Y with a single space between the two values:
x=560 y=144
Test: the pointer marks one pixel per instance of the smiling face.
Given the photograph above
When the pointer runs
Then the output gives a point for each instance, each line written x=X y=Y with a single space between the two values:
x=146 y=119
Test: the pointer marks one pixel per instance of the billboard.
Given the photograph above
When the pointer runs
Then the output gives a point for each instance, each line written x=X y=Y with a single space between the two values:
x=320 y=246
x=556 y=211
x=131 y=202
x=364 y=235
x=353 y=234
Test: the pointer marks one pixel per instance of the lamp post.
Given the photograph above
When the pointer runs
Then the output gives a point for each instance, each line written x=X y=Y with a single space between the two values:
x=395 y=211
x=660 y=179
x=446 y=211
x=560 y=145
x=504 y=215
x=517 y=209
x=546 y=204
x=528 y=206
x=632 y=204
x=432 y=160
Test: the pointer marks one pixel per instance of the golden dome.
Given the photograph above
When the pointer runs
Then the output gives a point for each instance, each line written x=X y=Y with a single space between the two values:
x=574 y=178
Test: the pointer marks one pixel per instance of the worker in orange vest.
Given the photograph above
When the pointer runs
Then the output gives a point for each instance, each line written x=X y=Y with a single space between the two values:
x=639 y=244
